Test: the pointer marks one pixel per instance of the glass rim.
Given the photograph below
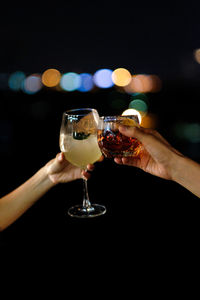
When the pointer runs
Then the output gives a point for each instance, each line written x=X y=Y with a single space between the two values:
x=73 y=112
x=115 y=117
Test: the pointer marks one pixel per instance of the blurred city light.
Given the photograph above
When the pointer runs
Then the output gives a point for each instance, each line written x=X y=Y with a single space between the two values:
x=144 y=84
x=156 y=83
x=70 y=81
x=51 y=77
x=197 y=55
x=121 y=77
x=188 y=131
x=103 y=78
x=140 y=96
x=149 y=121
x=15 y=80
x=132 y=112
x=32 y=84
x=139 y=83
x=86 y=83
x=139 y=105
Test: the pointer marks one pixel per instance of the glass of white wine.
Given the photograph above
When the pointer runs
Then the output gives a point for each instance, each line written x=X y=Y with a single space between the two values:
x=78 y=142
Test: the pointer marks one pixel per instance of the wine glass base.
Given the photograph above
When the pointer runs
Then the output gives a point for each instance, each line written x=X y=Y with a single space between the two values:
x=78 y=211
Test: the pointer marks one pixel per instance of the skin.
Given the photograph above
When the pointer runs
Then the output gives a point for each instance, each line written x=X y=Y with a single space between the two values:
x=159 y=158
x=58 y=170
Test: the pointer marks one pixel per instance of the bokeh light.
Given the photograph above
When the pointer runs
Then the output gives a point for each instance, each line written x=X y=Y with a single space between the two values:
x=188 y=131
x=103 y=78
x=86 y=83
x=140 y=96
x=156 y=83
x=149 y=121
x=70 y=81
x=142 y=83
x=32 y=84
x=132 y=112
x=15 y=80
x=139 y=105
x=139 y=83
x=121 y=77
x=197 y=55
x=51 y=77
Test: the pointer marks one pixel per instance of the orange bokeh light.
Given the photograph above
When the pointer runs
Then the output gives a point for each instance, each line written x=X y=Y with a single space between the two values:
x=51 y=77
x=149 y=121
x=144 y=84
x=197 y=55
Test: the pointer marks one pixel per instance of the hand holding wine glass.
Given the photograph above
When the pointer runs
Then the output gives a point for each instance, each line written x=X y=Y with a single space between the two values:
x=60 y=170
x=78 y=142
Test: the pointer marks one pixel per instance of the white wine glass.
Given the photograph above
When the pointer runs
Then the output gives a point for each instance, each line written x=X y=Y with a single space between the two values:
x=78 y=142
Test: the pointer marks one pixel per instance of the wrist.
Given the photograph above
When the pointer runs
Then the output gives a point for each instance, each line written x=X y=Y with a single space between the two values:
x=178 y=167
x=45 y=177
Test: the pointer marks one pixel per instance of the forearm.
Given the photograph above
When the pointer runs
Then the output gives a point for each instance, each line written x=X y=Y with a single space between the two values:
x=13 y=205
x=186 y=172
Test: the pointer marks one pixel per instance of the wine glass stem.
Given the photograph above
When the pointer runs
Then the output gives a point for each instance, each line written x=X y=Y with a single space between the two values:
x=86 y=201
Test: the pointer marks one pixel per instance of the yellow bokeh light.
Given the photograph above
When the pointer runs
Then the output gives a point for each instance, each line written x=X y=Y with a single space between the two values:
x=51 y=77
x=133 y=112
x=197 y=55
x=121 y=77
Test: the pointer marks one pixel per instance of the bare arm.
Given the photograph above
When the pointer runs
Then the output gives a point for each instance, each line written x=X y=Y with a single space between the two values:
x=186 y=172
x=159 y=158
x=13 y=205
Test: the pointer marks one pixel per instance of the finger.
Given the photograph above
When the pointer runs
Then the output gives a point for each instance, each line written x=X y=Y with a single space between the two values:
x=86 y=175
x=133 y=132
x=90 y=167
x=60 y=160
x=131 y=161
x=60 y=157
x=118 y=160
x=101 y=158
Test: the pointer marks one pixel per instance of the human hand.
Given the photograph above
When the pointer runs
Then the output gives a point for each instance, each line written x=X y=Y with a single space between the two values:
x=157 y=156
x=59 y=170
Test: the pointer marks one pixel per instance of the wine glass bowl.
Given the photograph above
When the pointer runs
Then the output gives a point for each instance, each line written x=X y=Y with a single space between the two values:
x=112 y=142
x=78 y=142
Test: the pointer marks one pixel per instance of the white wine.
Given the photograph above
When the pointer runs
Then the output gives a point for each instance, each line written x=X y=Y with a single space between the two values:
x=80 y=152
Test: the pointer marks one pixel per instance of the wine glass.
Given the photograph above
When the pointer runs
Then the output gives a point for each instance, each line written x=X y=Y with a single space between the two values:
x=78 y=142
x=113 y=143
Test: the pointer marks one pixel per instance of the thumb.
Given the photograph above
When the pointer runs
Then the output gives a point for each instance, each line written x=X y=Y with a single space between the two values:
x=57 y=164
x=133 y=132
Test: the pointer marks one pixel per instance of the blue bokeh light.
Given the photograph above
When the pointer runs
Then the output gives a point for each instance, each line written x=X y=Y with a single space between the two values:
x=15 y=80
x=86 y=84
x=103 y=78
x=70 y=81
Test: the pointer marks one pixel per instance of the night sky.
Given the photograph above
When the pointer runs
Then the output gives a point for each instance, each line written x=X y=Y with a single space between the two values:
x=148 y=38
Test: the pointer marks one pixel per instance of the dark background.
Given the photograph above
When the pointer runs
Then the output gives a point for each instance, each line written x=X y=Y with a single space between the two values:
x=142 y=210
